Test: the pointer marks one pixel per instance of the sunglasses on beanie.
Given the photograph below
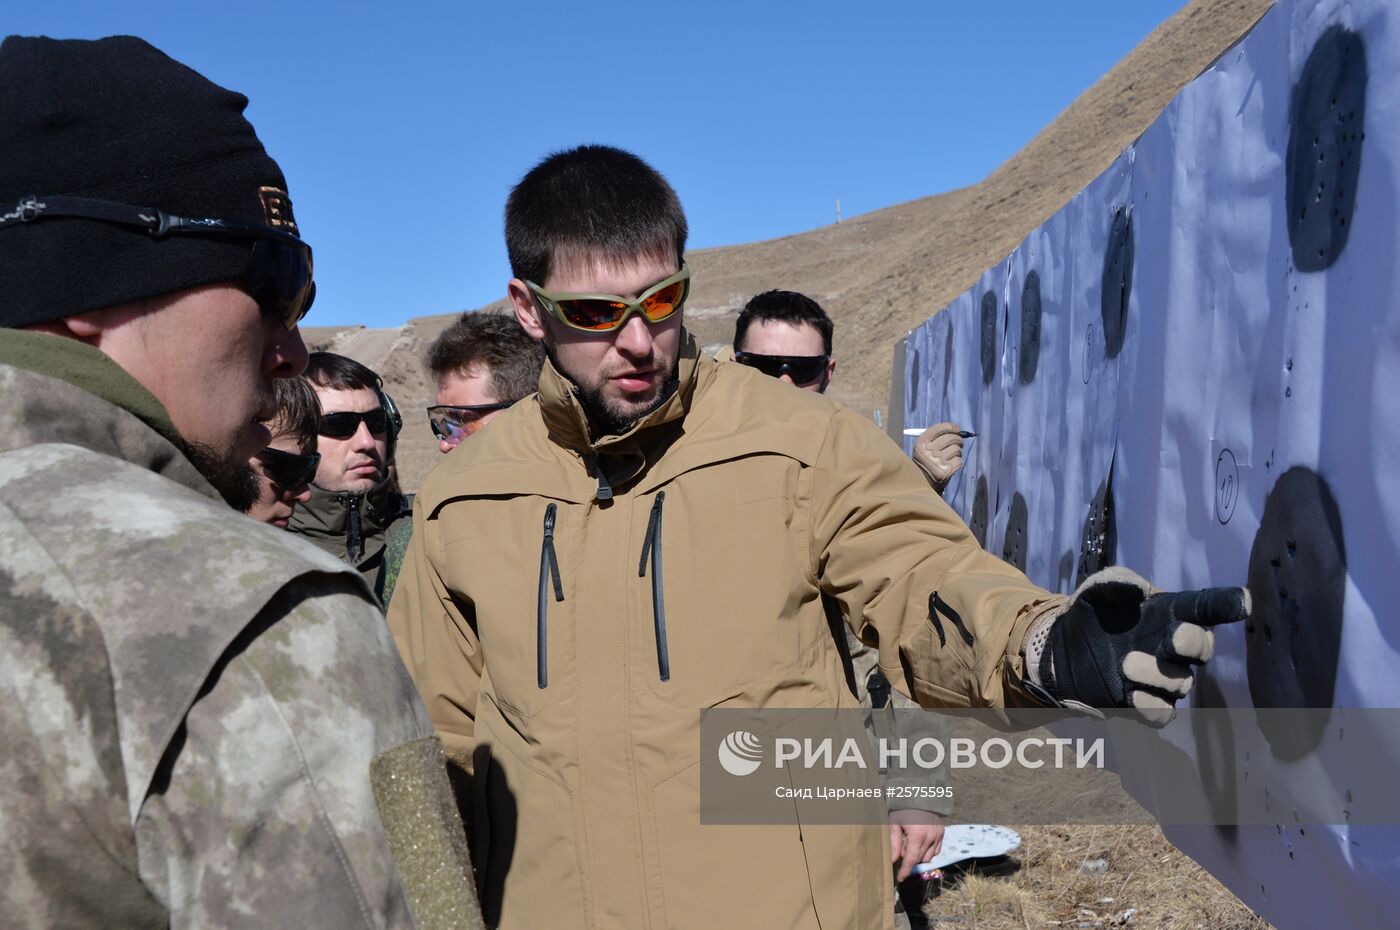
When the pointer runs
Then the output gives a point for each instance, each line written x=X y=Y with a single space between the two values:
x=802 y=369
x=346 y=423
x=604 y=313
x=288 y=469
x=453 y=423
x=279 y=274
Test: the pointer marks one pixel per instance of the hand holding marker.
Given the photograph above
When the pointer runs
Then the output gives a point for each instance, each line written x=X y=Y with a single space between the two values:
x=938 y=452
x=918 y=431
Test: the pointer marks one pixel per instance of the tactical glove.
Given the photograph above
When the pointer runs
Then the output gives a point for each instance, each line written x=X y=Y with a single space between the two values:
x=939 y=454
x=1120 y=644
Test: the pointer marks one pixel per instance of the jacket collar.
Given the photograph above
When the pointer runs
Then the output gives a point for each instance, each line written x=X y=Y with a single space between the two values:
x=616 y=460
x=329 y=511
x=95 y=424
x=569 y=425
x=354 y=519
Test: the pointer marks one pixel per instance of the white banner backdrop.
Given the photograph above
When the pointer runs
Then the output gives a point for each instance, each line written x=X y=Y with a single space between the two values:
x=1193 y=370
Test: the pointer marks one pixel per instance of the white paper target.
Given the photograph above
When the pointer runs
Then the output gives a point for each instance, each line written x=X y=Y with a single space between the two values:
x=964 y=841
x=1215 y=400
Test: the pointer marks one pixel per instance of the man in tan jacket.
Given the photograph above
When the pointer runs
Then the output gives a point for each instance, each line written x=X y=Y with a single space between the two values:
x=565 y=662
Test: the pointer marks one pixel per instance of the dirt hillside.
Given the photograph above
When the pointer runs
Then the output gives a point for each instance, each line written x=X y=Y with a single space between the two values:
x=883 y=273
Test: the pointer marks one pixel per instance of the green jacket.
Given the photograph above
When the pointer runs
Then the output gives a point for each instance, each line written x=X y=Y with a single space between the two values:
x=354 y=527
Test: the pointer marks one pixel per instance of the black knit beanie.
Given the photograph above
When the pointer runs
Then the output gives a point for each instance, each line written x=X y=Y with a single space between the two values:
x=116 y=119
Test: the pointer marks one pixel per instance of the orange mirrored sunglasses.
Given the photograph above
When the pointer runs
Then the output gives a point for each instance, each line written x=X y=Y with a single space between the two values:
x=603 y=313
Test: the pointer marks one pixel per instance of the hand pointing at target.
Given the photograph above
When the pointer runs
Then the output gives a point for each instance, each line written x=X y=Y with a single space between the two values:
x=1119 y=643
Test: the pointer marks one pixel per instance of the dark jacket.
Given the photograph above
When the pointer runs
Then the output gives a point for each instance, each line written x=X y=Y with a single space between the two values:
x=353 y=527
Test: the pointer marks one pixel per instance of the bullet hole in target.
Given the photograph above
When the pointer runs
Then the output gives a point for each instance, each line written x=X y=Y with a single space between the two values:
x=1100 y=539
x=1013 y=549
x=979 y=512
x=1297 y=584
x=1323 y=163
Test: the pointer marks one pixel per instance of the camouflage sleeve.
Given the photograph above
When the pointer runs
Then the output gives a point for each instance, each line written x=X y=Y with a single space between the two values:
x=906 y=721
x=67 y=857
x=395 y=548
x=262 y=813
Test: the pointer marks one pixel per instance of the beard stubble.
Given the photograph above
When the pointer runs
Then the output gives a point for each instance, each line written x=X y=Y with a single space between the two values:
x=605 y=418
x=234 y=479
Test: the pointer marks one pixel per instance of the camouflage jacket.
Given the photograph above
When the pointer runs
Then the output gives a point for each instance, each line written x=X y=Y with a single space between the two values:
x=204 y=720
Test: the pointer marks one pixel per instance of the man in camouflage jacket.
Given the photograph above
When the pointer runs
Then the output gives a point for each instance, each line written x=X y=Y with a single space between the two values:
x=204 y=721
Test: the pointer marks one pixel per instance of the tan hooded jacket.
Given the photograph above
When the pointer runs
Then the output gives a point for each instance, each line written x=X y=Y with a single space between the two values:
x=568 y=607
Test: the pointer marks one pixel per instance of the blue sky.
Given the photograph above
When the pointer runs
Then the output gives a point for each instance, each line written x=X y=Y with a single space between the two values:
x=402 y=126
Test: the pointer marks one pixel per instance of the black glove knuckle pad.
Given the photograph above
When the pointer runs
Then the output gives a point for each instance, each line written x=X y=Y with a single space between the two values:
x=1109 y=620
x=1096 y=632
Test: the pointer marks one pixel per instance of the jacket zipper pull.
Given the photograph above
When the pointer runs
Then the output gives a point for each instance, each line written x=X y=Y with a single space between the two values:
x=354 y=538
x=652 y=547
x=937 y=606
x=549 y=571
x=605 y=491
x=934 y=619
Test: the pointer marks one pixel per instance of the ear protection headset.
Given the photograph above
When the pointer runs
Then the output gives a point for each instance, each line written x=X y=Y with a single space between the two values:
x=395 y=418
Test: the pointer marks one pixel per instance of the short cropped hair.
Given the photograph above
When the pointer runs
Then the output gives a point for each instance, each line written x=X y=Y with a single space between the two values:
x=496 y=341
x=298 y=412
x=339 y=373
x=783 y=307
x=591 y=201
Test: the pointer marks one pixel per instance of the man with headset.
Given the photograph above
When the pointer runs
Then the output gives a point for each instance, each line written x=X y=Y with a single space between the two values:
x=355 y=501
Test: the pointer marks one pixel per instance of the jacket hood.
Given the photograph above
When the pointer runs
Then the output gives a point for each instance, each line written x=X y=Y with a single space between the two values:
x=83 y=398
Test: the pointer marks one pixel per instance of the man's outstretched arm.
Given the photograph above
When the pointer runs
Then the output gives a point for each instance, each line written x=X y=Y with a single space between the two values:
x=954 y=622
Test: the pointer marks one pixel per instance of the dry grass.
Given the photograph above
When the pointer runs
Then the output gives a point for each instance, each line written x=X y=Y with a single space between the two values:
x=1148 y=884
x=992 y=902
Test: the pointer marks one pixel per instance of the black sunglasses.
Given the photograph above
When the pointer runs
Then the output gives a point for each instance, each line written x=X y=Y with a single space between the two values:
x=279 y=274
x=455 y=422
x=288 y=469
x=344 y=424
x=802 y=369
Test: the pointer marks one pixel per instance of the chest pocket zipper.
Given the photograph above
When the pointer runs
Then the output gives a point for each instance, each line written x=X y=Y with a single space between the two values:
x=652 y=547
x=549 y=571
x=937 y=605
